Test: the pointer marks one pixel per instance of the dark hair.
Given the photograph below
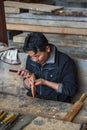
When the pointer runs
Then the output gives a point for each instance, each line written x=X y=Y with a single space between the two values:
x=35 y=41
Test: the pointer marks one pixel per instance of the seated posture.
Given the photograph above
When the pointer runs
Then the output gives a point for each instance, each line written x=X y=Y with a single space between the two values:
x=49 y=74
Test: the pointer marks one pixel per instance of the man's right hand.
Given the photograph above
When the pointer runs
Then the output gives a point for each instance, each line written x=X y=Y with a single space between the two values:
x=24 y=73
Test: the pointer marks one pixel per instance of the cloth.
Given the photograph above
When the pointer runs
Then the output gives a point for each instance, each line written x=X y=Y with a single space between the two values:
x=62 y=70
x=9 y=54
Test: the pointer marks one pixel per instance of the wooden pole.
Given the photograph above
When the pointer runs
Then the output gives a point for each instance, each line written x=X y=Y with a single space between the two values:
x=3 y=32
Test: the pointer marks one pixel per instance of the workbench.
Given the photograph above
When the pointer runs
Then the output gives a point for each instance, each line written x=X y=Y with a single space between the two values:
x=13 y=96
x=40 y=108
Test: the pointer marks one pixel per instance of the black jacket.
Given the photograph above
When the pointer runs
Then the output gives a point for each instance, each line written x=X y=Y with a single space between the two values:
x=62 y=71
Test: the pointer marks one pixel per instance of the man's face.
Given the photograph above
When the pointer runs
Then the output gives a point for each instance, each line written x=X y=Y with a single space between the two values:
x=41 y=56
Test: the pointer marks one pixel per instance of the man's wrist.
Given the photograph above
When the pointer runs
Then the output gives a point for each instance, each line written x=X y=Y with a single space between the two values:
x=60 y=87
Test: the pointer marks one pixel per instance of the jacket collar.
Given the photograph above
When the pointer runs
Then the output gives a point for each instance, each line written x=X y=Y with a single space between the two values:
x=51 y=58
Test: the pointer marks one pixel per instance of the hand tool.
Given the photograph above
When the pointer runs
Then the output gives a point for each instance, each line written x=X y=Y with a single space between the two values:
x=8 y=118
x=11 y=70
x=3 y=115
x=1 y=112
x=11 y=123
x=75 y=108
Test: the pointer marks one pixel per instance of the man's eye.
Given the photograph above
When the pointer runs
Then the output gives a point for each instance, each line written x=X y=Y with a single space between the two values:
x=37 y=56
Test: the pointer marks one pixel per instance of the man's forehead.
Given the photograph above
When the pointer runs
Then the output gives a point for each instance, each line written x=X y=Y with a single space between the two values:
x=32 y=53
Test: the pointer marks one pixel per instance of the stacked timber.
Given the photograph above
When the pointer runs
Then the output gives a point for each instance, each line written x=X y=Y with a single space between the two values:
x=65 y=27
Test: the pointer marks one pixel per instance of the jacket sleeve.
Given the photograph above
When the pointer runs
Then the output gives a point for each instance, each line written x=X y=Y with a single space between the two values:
x=69 y=79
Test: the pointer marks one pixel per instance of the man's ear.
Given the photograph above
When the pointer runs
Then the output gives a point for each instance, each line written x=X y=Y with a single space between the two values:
x=48 y=48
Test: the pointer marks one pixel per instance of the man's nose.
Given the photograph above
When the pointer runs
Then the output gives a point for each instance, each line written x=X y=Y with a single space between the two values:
x=35 y=59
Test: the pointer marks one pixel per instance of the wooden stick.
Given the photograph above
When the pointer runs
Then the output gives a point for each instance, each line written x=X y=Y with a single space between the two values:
x=11 y=70
x=75 y=108
x=33 y=86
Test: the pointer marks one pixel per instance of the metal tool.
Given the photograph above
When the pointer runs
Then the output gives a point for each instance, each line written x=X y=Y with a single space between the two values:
x=11 y=123
x=7 y=119
x=3 y=115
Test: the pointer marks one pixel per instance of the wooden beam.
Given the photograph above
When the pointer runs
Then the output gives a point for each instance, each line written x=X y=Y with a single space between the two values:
x=47 y=17
x=47 y=29
x=32 y=6
x=3 y=33
x=52 y=124
x=76 y=1
x=12 y=10
x=44 y=22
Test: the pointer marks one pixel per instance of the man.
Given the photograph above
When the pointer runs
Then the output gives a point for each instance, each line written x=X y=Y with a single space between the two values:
x=51 y=72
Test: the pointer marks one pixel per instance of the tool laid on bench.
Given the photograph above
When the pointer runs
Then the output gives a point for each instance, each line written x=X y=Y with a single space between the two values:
x=2 y=115
x=7 y=119
x=75 y=108
x=10 y=123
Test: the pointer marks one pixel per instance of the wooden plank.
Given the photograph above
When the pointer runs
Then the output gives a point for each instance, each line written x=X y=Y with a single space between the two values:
x=75 y=109
x=79 y=1
x=12 y=10
x=62 y=40
x=47 y=29
x=78 y=9
x=68 y=11
x=53 y=37
x=32 y=6
x=20 y=38
x=49 y=109
x=3 y=33
x=37 y=22
x=41 y=123
x=48 y=17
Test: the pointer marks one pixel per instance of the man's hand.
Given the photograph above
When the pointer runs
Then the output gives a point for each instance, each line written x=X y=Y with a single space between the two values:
x=27 y=82
x=24 y=73
x=30 y=82
x=39 y=82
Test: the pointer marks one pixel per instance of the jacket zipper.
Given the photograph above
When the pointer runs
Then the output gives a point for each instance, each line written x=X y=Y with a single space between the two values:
x=41 y=77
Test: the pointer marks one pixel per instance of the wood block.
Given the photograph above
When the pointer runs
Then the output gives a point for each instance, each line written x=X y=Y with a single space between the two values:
x=12 y=10
x=20 y=38
x=32 y=6
x=47 y=17
x=47 y=29
x=41 y=123
x=45 y=22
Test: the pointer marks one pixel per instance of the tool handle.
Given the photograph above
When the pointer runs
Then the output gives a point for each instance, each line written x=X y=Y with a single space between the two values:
x=3 y=115
x=83 y=97
x=16 y=117
x=73 y=111
x=11 y=70
x=8 y=118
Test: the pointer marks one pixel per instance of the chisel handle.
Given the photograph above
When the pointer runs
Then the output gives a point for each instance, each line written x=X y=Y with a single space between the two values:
x=83 y=97
x=11 y=116
x=3 y=115
x=11 y=70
